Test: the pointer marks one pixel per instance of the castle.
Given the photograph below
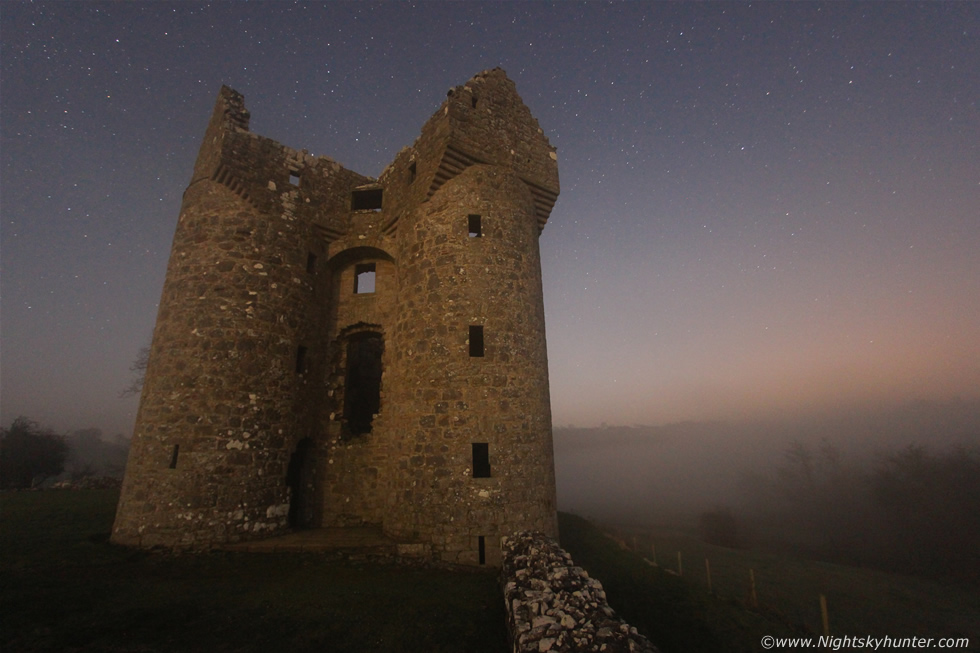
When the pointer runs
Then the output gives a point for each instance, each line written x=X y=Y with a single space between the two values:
x=336 y=350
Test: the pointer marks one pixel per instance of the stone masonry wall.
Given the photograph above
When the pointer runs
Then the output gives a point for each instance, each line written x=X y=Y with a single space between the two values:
x=242 y=431
x=225 y=403
x=553 y=605
x=446 y=399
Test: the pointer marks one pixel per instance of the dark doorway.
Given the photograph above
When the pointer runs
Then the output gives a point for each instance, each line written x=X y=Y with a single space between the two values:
x=299 y=480
x=362 y=394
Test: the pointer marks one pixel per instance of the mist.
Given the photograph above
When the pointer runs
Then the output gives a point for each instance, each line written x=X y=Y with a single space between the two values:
x=91 y=453
x=809 y=484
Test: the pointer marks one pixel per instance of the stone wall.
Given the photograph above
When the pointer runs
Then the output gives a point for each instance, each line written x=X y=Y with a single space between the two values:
x=552 y=605
x=224 y=403
x=255 y=417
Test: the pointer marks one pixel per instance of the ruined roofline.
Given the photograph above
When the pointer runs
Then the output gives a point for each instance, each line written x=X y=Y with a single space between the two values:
x=465 y=130
x=235 y=112
x=481 y=122
x=446 y=124
x=237 y=118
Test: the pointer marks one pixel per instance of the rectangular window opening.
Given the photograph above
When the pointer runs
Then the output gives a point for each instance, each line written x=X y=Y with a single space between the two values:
x=481 y=460
x=475 y=226
x=300 y=359
x=482 y=544
x=365 y=278
x=476 y=341
x=311 y=263
x=362 y=386
x=294 y=178
x=368 y=199
x=173 y=456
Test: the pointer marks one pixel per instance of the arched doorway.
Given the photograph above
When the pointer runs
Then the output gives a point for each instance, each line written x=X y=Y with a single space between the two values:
x=299 y=480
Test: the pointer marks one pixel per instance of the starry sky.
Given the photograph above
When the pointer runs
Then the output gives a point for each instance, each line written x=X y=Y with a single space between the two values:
x=767 y=209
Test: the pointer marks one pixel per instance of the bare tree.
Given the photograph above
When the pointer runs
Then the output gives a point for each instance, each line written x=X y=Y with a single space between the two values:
x=138 y=368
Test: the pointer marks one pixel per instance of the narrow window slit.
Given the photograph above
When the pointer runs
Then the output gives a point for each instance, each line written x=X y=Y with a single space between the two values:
x=311 y=263
x=300 y=359
x=476 y=341
x=173 y=456
x=482 y=544
x=481 y=460
x=475 y=225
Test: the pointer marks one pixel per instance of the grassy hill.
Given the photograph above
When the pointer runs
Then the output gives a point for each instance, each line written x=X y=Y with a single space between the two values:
x=861 y=601
x=678 y=614
x=64 y=587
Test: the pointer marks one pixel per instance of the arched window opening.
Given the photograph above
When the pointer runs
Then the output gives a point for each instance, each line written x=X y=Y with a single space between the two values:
x=362 y=393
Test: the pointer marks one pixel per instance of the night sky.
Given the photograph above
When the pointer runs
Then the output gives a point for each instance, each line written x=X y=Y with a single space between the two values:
x=767 y=209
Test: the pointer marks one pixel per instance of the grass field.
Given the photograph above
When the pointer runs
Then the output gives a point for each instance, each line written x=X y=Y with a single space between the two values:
x=860 y=601
x=677 y=615
x=66 y=588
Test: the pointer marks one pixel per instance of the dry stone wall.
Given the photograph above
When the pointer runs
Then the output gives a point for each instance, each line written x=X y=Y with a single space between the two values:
x=552 y=605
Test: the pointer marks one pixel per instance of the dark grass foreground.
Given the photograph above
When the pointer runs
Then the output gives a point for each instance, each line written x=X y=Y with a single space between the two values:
x=64 y=587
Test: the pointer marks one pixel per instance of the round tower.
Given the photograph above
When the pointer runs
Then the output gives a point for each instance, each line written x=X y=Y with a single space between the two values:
x=227 y=396
x=470 y=372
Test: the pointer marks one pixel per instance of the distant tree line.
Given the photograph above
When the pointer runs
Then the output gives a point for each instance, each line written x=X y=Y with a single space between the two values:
x=913 y=510
x=31 y=455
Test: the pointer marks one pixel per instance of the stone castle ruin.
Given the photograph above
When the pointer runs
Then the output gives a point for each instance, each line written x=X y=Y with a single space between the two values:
x=334 y=350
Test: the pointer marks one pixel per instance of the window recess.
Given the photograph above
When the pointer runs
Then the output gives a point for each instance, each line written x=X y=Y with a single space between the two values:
x=365 y=278
x=481 y=460
x=475 y=226
x=476 y=341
